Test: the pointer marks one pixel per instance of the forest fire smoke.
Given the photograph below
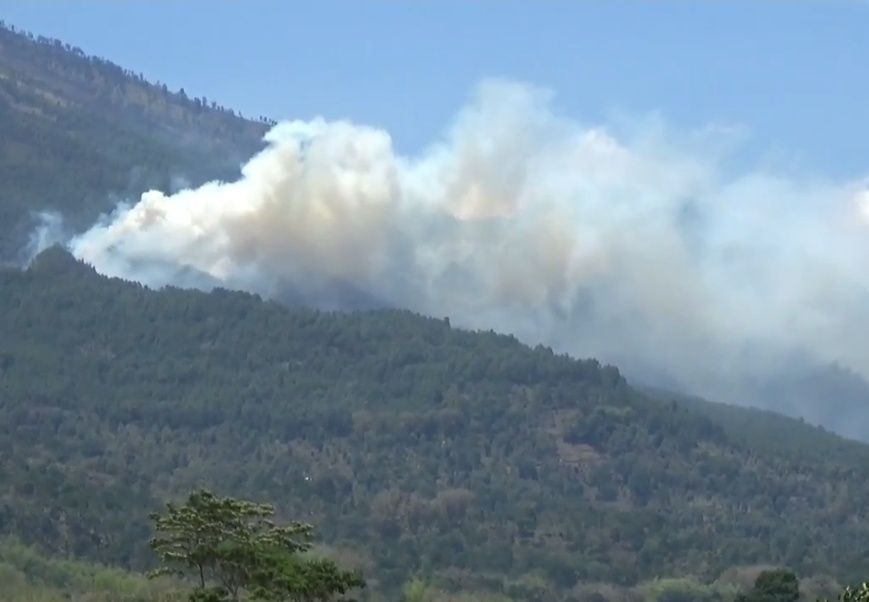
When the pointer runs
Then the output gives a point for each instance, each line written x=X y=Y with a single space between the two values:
x=639 y=248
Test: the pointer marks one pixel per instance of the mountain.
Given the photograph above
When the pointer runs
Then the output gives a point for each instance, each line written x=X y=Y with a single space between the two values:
x=830 y=394
x=465 y=457
x=80 y=134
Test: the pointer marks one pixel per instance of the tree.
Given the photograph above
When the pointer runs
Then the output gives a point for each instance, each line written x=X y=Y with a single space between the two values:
x=230 y=546
x=777 y=585
x=280 y=576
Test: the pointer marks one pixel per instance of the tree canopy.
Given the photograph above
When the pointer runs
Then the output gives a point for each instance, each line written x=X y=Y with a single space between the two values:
x=233 y=546
x=779 y=585
x=471 y=459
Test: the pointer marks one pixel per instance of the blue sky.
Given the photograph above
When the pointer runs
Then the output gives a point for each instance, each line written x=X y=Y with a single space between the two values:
x=794 y=73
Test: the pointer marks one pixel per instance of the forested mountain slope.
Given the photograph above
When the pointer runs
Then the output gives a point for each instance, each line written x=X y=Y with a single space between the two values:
x=417 y=449
x=78 y=134
x=466 y=457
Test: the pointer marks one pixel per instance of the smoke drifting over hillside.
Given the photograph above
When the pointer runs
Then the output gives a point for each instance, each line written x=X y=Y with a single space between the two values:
x=640 y=249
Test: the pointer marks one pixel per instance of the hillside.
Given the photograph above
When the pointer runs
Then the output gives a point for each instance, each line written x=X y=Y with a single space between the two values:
x=81 y=134
x=467 y=457
x=464 y=459
x=28 y=576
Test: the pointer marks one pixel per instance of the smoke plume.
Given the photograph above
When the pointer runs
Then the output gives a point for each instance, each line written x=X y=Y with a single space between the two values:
x=48 y=231
x=644 y=248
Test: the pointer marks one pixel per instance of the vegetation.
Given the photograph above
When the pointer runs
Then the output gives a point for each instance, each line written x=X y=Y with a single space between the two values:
x=28 y=576
x=773 y=586
x=232 y=547
x=449 y=465
x=464 y=459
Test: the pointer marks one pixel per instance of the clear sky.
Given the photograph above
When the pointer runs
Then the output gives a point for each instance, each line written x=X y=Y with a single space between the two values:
x=794 y=73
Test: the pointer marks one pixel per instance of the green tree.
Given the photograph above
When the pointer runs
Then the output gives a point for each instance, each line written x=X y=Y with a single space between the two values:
x=777 y=585
x=229 y=546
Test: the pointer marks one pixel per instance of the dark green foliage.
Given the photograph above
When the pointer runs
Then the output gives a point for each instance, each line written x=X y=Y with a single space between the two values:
x=209 y=594
x=778 y=585
x=288 y=577
x=417 y=447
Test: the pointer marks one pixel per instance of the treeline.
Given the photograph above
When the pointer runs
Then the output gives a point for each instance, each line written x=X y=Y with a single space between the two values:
x=81 y=134
x=73 y=58
x=214 y=549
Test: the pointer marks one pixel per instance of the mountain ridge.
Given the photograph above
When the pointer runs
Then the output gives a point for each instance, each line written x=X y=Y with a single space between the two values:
x=104 y=134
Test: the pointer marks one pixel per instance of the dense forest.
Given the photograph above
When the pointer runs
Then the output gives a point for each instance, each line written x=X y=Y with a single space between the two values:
x=81 y=134
x=471 y=460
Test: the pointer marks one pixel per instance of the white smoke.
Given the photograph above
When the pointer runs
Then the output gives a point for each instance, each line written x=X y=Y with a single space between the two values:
x=49 y=231
x=641 y=248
